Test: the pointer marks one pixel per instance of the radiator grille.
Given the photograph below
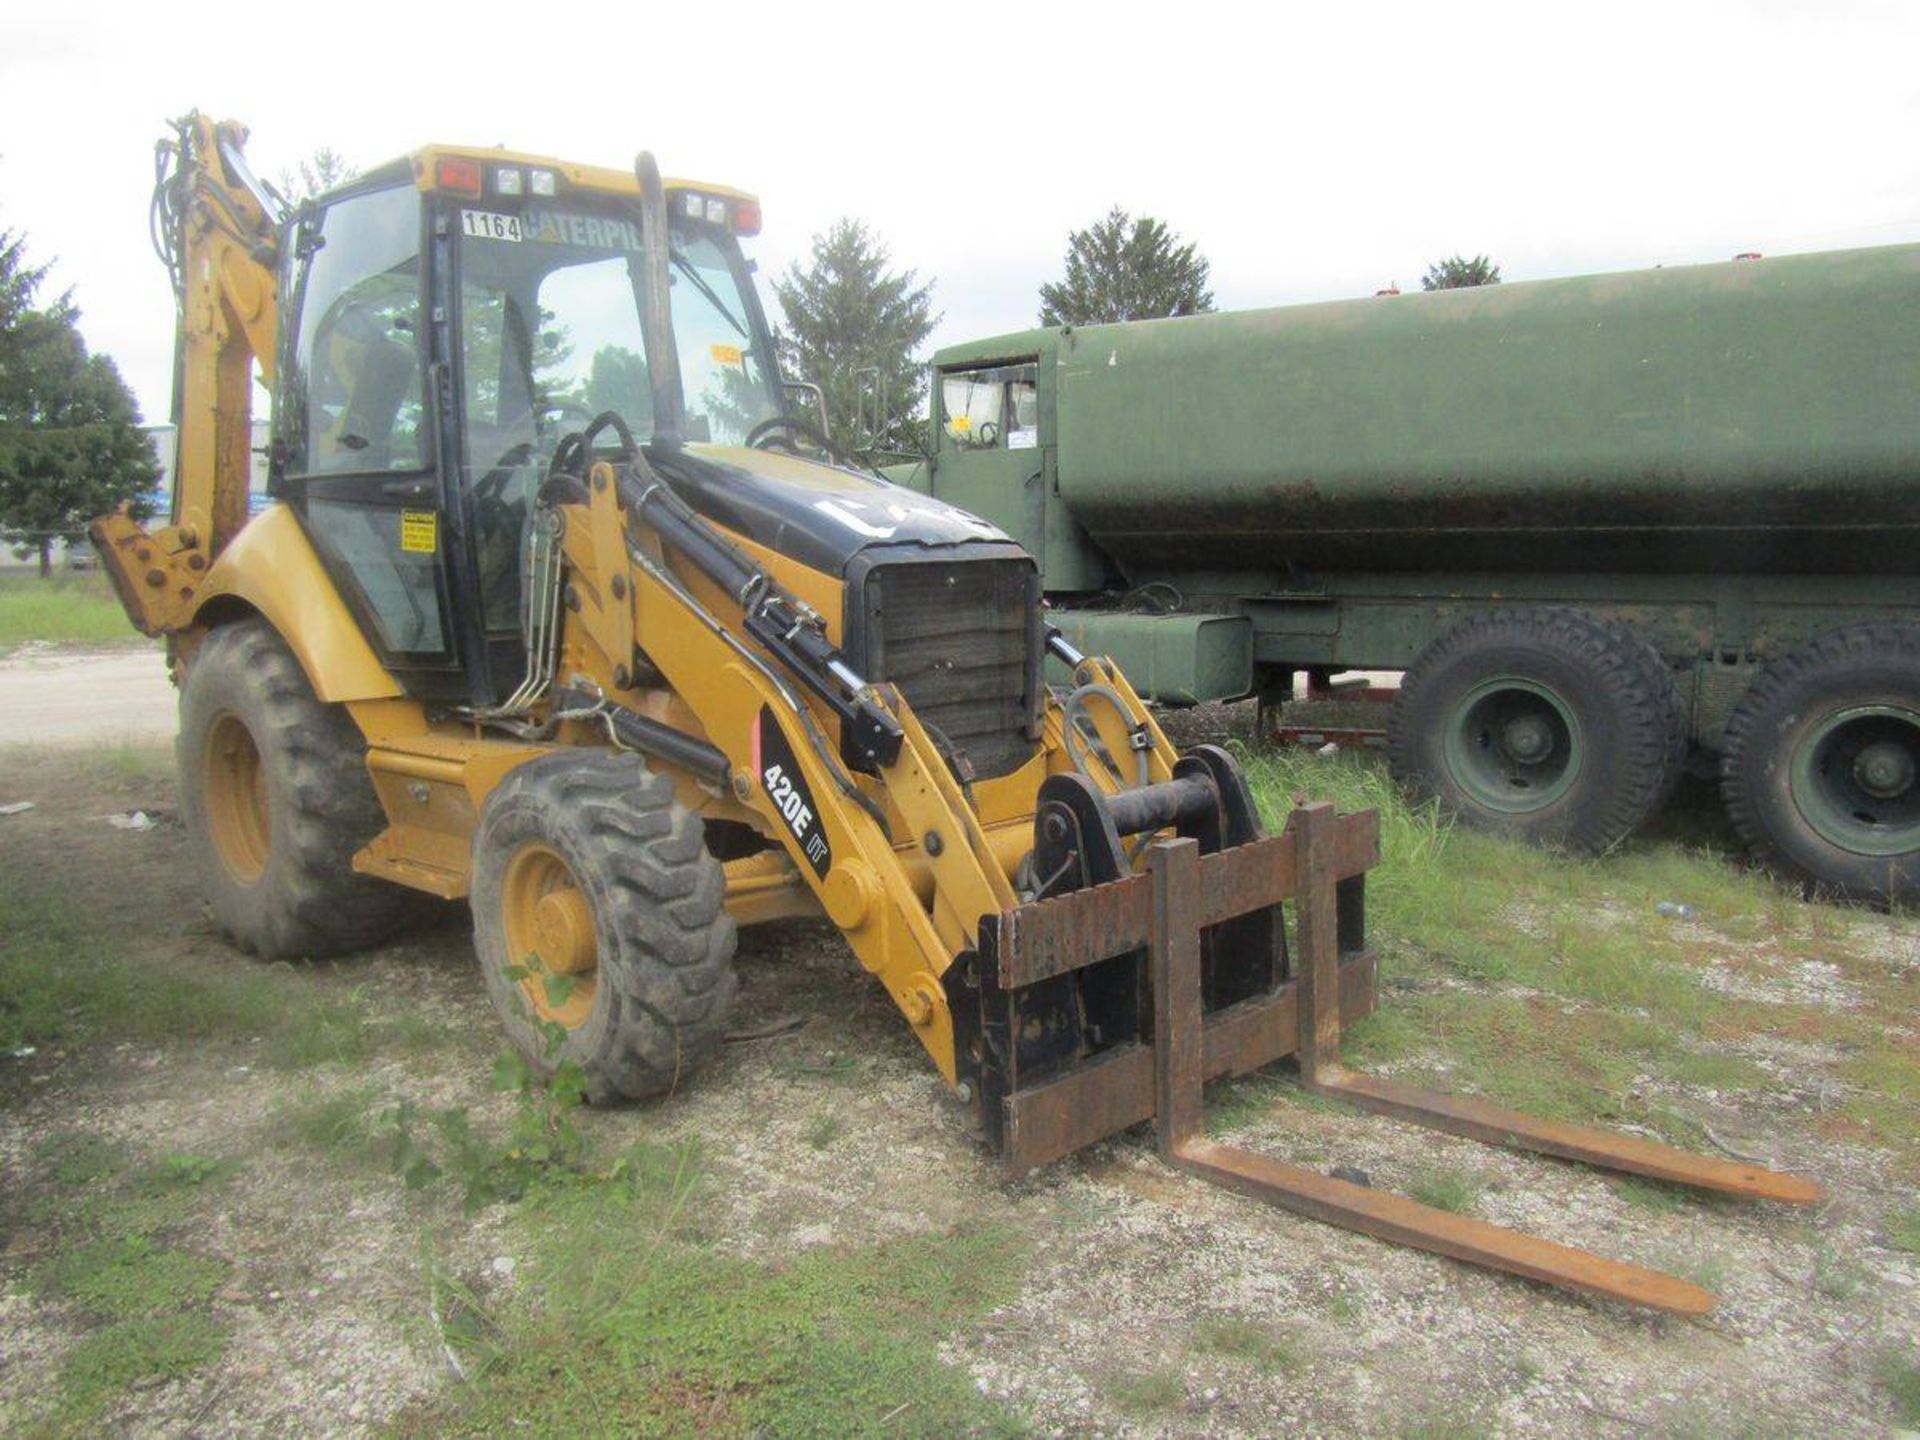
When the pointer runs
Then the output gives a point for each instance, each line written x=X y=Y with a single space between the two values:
x=958 y=639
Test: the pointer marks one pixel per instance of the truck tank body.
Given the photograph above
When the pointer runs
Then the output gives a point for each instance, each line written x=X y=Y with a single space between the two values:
x=1760 y=416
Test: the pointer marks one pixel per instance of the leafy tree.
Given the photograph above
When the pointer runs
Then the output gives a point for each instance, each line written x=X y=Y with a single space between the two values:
x=1457 y=272
x=314 y=175
x=71 y=446
x=847 y=312
x=1122 y=268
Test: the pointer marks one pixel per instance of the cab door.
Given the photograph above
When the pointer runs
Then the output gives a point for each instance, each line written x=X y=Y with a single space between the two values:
x=353 y=452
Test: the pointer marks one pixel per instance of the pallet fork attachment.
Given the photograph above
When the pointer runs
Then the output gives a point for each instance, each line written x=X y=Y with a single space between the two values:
x=1178 y=912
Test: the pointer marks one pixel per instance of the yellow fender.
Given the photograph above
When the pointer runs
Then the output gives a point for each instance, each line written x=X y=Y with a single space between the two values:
x=270 y=567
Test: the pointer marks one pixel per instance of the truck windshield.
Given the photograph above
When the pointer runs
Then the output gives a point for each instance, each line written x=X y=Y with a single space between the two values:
x=550 y=337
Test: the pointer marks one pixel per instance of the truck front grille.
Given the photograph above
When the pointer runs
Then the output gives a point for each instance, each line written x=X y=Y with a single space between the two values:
x=960 y=639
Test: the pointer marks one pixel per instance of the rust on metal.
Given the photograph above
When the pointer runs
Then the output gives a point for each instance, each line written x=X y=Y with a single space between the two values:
x=1187 y=1050
x=1479 y=1120
x=1114 y=1091
x=1055 y=936
x=1407 y=1222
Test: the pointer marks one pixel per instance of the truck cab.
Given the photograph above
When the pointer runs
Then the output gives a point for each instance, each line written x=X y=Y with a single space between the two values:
x=993 y=443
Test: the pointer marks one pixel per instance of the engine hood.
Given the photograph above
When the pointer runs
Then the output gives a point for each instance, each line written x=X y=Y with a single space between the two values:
x=820 y=515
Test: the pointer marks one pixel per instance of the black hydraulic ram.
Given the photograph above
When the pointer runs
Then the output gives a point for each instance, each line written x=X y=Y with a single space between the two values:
x=789 y=631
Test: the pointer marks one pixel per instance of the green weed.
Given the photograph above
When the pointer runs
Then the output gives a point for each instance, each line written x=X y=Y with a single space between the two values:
x=1898 y=1373
x=1234 y=1338
x=1445 y=1189
x=79 y=1157
x=1903 y=1230
x=131 y=1276
x=822 y=1131
x=103 y=1363
x=1148 y=1392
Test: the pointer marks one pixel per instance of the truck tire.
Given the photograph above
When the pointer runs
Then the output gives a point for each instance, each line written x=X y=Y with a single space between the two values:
x=1821 y=770
x=275 y=797
x=1544 y=725
x=601 y=924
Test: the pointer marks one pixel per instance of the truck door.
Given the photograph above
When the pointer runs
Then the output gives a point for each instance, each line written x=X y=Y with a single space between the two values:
x=990 y=460
x=353 y=450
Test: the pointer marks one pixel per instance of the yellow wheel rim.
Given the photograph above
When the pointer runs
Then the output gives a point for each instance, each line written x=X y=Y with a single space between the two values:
x=549 y=930
x=236 y=799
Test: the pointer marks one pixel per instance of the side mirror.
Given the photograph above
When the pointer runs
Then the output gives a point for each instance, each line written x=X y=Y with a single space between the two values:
x=808 y=389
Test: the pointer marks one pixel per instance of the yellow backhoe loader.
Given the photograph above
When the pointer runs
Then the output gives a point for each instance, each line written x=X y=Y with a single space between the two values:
x=563 y=611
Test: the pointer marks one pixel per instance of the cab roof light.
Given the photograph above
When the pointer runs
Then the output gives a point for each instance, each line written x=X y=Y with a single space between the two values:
x=716 y=212
x=458 y=174
x=692 y=205
x=507 y=180
x=746 y=217
x=540 y=182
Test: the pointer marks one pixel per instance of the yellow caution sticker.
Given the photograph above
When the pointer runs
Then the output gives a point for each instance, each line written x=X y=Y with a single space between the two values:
x=419 y=531
x=725 y=354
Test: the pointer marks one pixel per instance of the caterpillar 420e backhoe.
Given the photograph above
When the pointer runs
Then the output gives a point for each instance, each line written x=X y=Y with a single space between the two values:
x=562 y=611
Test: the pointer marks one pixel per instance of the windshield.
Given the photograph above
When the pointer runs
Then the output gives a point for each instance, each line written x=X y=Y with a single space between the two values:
x=550 y=337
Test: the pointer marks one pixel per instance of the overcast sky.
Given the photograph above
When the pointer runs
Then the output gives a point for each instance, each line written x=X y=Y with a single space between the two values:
x=1311 y=151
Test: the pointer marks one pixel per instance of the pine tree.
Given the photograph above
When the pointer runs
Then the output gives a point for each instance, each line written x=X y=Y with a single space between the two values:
x=1121 y=268
x=847 y=312
x=71 y=446
x=1457 y=272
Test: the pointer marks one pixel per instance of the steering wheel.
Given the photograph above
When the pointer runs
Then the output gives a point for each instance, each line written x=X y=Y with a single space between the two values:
x=782 y=434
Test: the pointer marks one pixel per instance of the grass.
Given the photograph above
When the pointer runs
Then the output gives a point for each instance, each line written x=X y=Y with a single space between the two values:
x=1447 y=1189
x=130 y=1276
x=632 y=1325
x=117 y=1231
x=1898 y=1373
x=1903 y=1230
x=1551 y=983
x=1234 y=1338
x=1147 y=1392
x=66 y=608
x=65 y=980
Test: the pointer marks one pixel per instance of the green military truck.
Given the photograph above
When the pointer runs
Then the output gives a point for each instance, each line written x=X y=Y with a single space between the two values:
x=1608 y=526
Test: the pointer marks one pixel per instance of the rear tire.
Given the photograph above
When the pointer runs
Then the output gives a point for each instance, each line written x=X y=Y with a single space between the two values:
x=601 y=924
x=1821 y=771
x=1546 y=725
x=275 y=797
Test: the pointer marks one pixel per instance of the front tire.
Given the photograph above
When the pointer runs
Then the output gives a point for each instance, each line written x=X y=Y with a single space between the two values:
x=1821 y=770
x=600 y=922
x=275 y=797
x=1545 y=725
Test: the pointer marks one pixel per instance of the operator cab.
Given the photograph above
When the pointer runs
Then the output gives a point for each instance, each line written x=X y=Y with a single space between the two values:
x=450 y=319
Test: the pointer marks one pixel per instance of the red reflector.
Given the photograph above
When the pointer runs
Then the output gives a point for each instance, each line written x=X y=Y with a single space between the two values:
x=746 y=217
x=460 y=175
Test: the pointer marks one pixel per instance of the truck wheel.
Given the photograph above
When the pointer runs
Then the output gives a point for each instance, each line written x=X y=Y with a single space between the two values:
x=600 y=919
x=1542 y=725
x=1821 y=771
x=275 y=797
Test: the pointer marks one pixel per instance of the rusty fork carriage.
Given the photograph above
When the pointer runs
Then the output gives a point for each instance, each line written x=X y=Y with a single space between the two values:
x=1180 y=974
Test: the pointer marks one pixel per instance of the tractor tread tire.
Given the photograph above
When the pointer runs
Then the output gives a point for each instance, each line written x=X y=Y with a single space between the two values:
x=308 y=901
x=1634 y=708
x=665 y=940
x=1873 y=651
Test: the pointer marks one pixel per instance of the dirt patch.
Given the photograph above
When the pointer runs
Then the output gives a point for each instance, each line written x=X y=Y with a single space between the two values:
x=838 y=1135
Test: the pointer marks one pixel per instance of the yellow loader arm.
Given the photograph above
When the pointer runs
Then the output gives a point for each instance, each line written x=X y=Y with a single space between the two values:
x=215 y=226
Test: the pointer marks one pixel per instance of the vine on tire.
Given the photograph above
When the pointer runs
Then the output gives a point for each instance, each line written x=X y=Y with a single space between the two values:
x=1547 y=725
x=600 y=922
x=276 y=799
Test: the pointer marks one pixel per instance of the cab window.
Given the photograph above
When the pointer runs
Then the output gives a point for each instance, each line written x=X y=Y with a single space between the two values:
x=358 y=347
x=993 y=408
